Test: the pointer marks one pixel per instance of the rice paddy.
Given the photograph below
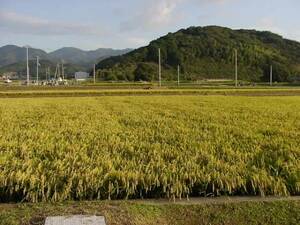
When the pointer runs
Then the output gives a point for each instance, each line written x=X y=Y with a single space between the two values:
x=54 y=149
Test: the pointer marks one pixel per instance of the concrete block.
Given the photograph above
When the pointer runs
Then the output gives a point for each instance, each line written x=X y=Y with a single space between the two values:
x=75 y=220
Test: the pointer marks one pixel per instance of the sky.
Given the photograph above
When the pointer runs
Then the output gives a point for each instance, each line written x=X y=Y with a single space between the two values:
x=92 y=24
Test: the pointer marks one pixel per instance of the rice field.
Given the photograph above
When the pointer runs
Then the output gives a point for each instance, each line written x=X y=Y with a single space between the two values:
x=118 y=147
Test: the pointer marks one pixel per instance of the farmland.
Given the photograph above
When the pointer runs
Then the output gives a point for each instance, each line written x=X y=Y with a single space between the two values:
x=39 y=92
x=173 y=146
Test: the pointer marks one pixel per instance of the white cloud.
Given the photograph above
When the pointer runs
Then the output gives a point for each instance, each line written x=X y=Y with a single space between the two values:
x=157 y=13
x=294 y=35
x=25 y=24
x=271 y=24
x=268 y=24
x=137 y=41
x=162 y=13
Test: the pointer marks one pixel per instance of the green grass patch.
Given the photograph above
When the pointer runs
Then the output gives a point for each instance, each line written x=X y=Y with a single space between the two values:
x=86 y=92
x=133 y=213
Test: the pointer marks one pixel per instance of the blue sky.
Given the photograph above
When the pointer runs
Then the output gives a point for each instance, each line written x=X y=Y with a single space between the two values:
x=91 y=24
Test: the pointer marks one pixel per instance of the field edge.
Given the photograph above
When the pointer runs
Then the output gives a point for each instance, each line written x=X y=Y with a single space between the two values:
x=259 y=211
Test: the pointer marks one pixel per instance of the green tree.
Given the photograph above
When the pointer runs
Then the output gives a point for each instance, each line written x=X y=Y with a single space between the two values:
x=145 y=72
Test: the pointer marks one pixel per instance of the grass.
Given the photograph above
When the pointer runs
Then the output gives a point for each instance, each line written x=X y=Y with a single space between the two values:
x=82 y=92
x=143 y=213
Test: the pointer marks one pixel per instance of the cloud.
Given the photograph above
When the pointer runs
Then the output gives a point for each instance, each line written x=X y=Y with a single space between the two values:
x=137 y=41
x=25 y=24
x=157 y=13
x=271 y=24
x=268 y=24
x=294 y=35
x=161 y=13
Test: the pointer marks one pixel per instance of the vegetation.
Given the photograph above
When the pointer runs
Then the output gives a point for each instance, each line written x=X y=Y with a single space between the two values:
x=137 y=89
x=56 y=149
x=143 y=213
x=208 y=52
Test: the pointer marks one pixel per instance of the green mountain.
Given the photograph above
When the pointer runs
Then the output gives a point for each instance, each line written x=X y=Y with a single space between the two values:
x=85 y=58
x=208 y=52
x=10 y=54
x=13 y=57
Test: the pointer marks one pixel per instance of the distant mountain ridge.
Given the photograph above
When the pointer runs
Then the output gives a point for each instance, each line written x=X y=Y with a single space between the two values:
x=81 y=57
x=12 y=54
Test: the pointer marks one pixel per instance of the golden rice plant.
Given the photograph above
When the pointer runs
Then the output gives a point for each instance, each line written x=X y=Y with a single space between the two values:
x=56 y=149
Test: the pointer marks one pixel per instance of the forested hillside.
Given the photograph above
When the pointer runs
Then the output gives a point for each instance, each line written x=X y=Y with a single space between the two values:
x=208 y=52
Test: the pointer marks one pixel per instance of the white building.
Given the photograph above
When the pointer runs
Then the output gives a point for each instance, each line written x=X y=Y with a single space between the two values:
x=81 y=76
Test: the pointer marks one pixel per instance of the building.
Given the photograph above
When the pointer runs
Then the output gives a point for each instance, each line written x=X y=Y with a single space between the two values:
x=10 y=75
x=81 y=76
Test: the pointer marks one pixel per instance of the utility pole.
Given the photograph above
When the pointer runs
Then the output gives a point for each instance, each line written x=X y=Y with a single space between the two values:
x=46 y=68
x=94 y=73
x=37 y=70
x=27 y=65
x=159 y=67
x=178 y=75
x=56 y=72
x=49 y=75
x=271 y=75
x=62 y=70
x=236 y=67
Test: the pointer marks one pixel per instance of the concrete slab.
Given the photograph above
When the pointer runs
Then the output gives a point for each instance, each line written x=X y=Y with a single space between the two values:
x=75 y=220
